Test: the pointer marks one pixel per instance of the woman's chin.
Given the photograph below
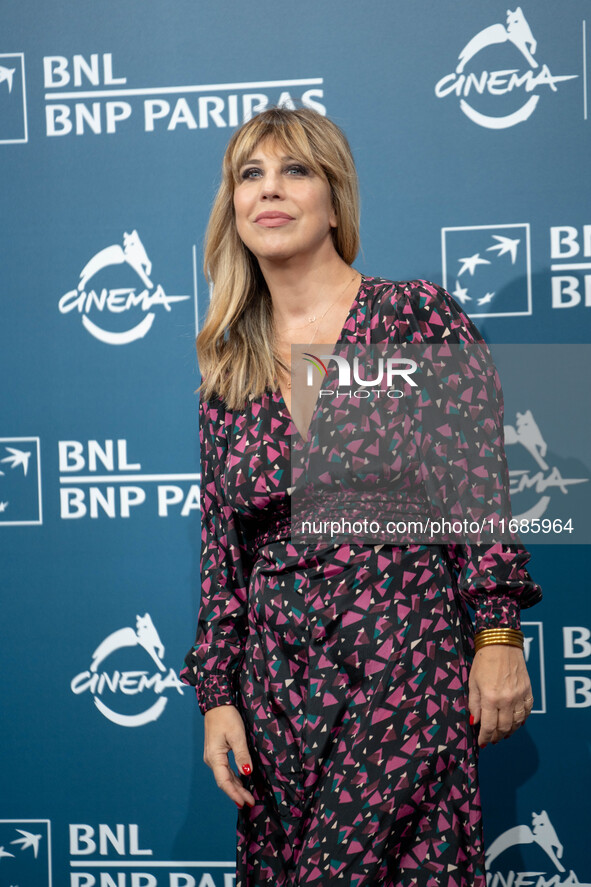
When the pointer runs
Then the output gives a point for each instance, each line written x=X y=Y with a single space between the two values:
x=276 y=255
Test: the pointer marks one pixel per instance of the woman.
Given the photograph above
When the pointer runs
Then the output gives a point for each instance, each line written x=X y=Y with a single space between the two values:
x=342 y=677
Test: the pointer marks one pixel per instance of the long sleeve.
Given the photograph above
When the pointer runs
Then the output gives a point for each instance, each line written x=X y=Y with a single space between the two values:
x=492 y=578
x=212 y=663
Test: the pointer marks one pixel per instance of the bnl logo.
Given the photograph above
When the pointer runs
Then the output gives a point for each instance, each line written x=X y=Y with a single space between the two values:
x=487 y=269
x=13 y=99
x=20 y=481
x=25 y=852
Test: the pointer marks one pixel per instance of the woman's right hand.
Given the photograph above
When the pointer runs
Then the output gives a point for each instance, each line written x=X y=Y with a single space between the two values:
x=224 y=732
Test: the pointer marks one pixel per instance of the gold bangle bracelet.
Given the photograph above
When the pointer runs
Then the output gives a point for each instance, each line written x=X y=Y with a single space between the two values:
x=511 y=633
x=488 y=636
x=502 y=631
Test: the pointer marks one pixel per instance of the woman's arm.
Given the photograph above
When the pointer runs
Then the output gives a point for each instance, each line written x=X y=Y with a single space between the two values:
x=213 y=661
x=492 y=578
x=212 y=664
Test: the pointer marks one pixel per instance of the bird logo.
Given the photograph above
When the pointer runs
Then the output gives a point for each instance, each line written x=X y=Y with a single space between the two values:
x=470 y=264
x=491 y=268
x=6 y=74
x=17 y=457
x=27 y=840
x=505 y=245
x=20 y=482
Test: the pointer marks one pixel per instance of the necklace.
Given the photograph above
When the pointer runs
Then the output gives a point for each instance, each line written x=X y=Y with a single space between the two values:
x=312 y=318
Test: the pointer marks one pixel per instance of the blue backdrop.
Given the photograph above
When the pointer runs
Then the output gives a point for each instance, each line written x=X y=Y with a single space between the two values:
x=470 y=127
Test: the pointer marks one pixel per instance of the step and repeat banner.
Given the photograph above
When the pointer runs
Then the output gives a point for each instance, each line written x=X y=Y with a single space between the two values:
x=471 y=130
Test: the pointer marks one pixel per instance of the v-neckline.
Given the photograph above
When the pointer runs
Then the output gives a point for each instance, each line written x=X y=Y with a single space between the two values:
x=278 y=393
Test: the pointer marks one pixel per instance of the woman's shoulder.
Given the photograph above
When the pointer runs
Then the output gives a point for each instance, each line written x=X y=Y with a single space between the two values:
x=409 y=295
x=214 y=414
x=416 y=311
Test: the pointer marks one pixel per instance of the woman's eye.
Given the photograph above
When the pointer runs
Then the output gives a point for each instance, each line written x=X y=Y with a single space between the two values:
x=255 y=172
x=251 y=172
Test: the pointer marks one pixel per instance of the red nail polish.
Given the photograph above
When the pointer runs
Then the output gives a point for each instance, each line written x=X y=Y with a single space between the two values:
x=238 y=805
x=471 y=720
x=246 y=769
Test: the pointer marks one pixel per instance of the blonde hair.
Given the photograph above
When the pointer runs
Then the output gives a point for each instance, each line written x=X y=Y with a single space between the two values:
x=235 y=347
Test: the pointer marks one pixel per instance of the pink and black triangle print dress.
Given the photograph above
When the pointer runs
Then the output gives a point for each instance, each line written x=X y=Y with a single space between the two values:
x=348 y=663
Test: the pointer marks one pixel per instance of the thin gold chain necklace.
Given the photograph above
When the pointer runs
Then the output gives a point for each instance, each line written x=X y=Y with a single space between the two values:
x=312 y=319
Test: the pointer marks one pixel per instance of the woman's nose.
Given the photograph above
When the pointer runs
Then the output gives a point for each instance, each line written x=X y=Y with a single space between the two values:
x=272 y=185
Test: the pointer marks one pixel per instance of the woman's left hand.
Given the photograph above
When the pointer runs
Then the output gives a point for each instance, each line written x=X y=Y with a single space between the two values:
x=500 y=696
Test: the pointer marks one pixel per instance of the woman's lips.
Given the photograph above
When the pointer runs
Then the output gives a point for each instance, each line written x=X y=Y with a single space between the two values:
x=273 y=219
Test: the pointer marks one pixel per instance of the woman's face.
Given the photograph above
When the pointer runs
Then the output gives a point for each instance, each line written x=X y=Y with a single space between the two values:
x=282 y=208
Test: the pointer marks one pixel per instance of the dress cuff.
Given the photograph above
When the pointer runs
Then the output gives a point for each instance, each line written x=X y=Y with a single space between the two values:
x=213 y=690
x=497 y=611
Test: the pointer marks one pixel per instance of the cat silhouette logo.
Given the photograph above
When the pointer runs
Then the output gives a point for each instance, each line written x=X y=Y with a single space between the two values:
x=25 y=852
x=20 y=482
x=509 y=94
x=125 y=684
x=13 y=99
x=532 y=487
x=120 y=286
x=487 y=269
x=537 y=850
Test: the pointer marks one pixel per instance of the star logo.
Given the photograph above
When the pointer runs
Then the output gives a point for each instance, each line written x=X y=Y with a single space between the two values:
x=13 y=99
x=461 y=293
x=491 y=267
x=25 y=853
x=20 y=481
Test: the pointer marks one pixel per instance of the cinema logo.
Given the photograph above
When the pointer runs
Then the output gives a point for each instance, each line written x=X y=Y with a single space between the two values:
x=119 y=684
x=531 y=489
x=467 y=85
x=84 y=96
x=97 y=479
x=541 y=851
x=121 y=301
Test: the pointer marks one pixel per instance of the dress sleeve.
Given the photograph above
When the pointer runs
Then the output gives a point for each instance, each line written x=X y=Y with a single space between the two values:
x=492 y=578
x=212 y=663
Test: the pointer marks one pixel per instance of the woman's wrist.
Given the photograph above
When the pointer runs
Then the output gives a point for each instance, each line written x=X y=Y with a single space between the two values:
x=487 y=636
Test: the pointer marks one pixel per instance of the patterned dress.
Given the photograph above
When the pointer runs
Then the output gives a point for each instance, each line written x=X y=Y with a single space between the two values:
x=348 y=663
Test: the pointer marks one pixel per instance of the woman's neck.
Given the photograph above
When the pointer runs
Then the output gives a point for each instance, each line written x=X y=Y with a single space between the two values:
x=302 y=287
